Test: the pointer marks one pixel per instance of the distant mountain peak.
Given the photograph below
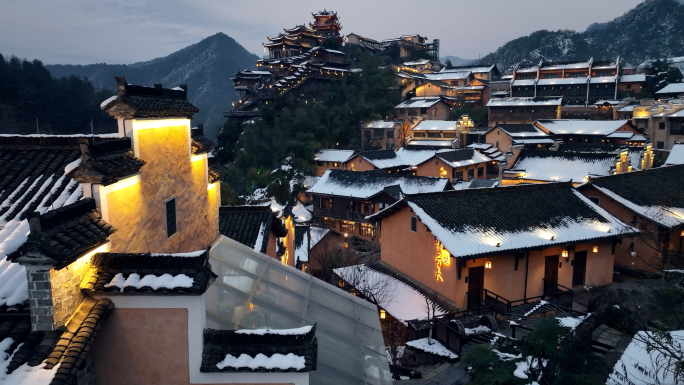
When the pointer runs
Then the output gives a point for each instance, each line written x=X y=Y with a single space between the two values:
x=206 y=67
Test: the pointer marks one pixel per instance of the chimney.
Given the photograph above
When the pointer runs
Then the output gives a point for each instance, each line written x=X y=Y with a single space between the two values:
x=185 y=90
x=120 y=85
x=158 y=86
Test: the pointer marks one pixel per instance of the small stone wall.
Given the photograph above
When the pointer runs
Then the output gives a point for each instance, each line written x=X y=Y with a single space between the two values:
x=86 y=376
x=54 y=294
x=66 y=292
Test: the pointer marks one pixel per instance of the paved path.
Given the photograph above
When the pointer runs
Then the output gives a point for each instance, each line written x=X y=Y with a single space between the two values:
x=445 y=374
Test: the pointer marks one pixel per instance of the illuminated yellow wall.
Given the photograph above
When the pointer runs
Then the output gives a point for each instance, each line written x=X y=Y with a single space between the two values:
x=139 y=212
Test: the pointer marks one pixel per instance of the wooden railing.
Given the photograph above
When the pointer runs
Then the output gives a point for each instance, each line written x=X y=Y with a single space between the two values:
x=558 y=294
x=501 y=305
x=340 y=214
x=447 y=336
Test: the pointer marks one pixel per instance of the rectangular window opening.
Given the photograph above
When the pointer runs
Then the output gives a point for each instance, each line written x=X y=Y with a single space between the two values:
x=171 y=217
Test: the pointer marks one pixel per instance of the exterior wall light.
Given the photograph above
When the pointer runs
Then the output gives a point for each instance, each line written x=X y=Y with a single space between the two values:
x=565 y=255
x=382 y=314
x=488 y=265
x=595 y=249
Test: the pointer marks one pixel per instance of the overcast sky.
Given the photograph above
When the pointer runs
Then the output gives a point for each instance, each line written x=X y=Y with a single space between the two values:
x=128 y=31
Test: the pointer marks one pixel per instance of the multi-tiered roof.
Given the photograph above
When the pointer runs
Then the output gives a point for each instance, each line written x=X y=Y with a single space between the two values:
x=327 y=24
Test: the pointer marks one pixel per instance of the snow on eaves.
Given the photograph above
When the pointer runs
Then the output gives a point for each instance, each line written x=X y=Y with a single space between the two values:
x=665 y=216
x=472 y=241
x=367 y=184
x=581 y=127
x=166 y=281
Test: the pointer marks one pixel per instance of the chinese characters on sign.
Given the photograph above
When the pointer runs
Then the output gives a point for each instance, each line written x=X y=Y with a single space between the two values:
x=443 y=257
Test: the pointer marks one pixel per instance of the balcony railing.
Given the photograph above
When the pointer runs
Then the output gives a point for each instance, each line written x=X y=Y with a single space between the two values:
x=340 y=214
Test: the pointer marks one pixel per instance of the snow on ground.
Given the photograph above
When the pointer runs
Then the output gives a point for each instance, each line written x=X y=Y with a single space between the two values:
x=572 y=322
x=541 y=303
x=434 y=348
x=167 y=281
x=276 y=361
x=405 y=304
x=639 y=366
x=478 y=329
x=281 y=332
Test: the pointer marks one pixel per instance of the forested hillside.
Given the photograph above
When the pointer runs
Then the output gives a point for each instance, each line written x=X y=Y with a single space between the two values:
x=32 y=101
x=296 y=130
x=653 y=29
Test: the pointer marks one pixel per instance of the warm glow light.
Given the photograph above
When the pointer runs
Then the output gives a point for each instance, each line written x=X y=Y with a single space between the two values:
x=488 y=265
x=212 y=185
x=159 y=123
x=564 y=254
x=86 y=258
x=382 y=314
x=195 y=158
x=595 y=249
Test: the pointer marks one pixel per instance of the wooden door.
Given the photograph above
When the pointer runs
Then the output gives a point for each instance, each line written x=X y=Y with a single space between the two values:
x=551 y=269
x=550 y=275
x=476 y=284
x=579 y=268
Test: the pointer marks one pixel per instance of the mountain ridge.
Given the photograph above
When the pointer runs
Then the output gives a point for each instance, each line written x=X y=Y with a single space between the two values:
x=651 y=30
x=206 y=67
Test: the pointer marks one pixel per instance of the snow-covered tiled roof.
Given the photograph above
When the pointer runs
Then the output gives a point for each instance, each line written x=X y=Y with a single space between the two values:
x=580 y=127
x=473 y=69
x=676 y=155
x=603 y=79
x=31 y=179
x=632 y=78
x=678 y=114
x=620 y=135
x=562 y=167
x=435 y=125
x=431 y=143
x=524 y=82
x=469 y=222
x=405 y=304
x=565 y=66
x=419 y=102
x=444 y=76
x=367 y=184
x=522 y=131
x=626 y=109
x=416 y=63
x=460 y=158
x=381 y=124
x=673 y=88
x=635 y=191
x=533 y=141
x=334 y=155
x=513 y=102
x=561 y=81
